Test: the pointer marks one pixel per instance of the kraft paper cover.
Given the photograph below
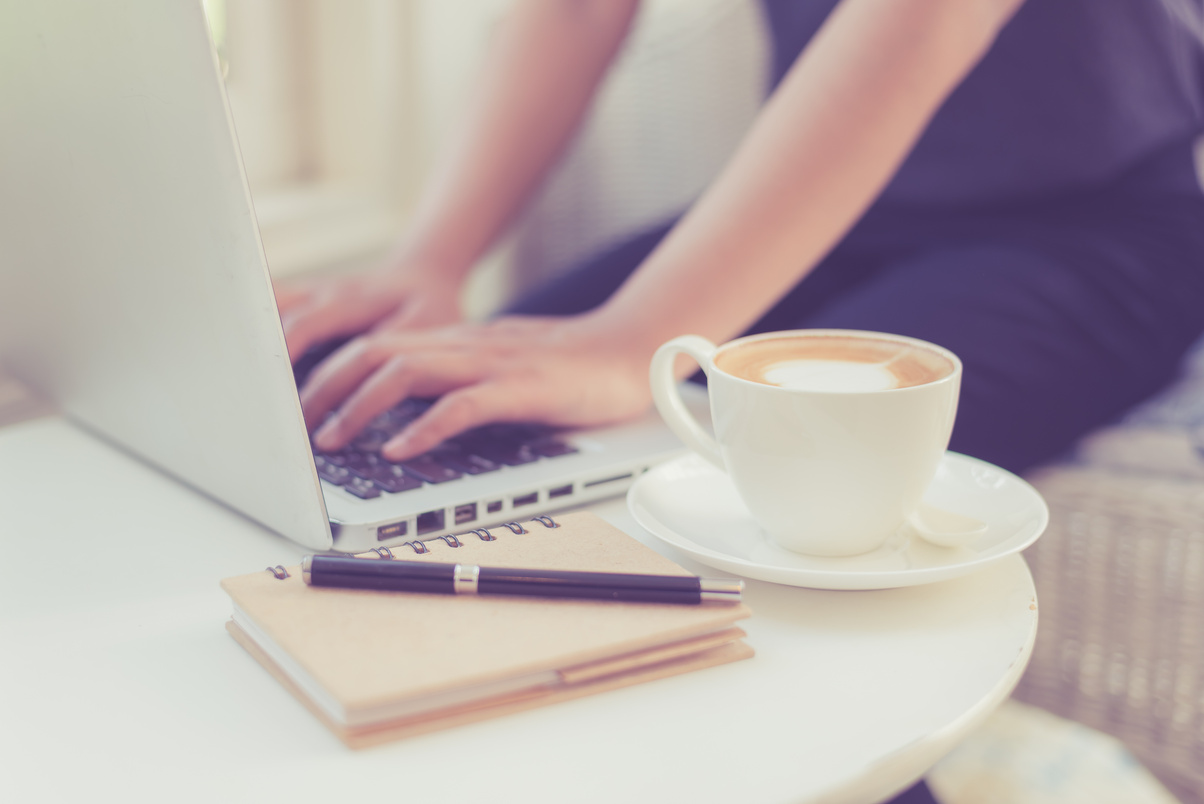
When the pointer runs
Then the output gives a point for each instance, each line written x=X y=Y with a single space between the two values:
x=368 y=648
x=401 y=728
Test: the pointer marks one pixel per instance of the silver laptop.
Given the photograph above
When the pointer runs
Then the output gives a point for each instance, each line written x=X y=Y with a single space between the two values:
x=135 y=294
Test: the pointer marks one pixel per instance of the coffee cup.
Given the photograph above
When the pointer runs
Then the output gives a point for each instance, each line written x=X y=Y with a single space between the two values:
x=830 y=437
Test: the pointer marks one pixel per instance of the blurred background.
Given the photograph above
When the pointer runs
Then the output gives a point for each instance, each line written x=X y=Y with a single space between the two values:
x=340 y=107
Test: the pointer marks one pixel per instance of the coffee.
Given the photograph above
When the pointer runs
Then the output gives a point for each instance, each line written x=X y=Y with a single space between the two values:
x=834 y=363
x=828 y=460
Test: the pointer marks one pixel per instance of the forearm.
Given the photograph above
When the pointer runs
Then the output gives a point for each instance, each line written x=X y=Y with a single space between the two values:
x=548 y=58
x=825 y=146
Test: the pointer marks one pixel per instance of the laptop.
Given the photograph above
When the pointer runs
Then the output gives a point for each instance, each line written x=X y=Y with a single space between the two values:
x=134 y=293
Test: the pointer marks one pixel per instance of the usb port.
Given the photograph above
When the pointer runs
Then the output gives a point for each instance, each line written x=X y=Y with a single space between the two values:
x=562 y=491
x=526 y=499
x=389 y=531
x=614 y=479
x=431 y=520
x=493 y=507
x=466 y=513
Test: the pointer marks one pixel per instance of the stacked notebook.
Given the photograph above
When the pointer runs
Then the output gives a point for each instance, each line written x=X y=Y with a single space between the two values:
x=377 y=666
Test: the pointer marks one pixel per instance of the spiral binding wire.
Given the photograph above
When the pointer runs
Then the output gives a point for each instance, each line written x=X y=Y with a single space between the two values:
x=453 y=540
x=420 y=547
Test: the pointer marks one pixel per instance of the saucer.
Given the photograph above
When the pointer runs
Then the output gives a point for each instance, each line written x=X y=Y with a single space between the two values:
x=692 y=506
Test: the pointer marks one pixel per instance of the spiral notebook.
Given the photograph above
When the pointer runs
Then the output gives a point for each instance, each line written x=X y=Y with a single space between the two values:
x=377 y=666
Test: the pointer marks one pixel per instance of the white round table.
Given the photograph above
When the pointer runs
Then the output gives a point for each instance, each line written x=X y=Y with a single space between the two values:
x=118 y=676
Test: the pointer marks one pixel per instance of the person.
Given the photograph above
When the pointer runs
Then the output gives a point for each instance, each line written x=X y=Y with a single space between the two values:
x=1012 y=180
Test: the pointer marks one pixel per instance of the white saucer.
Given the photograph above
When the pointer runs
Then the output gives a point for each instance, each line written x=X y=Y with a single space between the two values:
x=691 y=505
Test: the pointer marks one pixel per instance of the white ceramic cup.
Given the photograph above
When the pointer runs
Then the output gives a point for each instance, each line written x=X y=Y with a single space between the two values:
x=824 y=472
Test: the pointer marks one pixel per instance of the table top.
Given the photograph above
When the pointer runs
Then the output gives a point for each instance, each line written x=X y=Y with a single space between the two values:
x=118 y=674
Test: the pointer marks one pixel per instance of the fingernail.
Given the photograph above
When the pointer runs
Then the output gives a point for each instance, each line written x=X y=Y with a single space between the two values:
x=327 y=436
x=395 y=449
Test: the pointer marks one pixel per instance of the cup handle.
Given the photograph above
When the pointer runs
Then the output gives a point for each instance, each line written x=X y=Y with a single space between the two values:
x=668 y=399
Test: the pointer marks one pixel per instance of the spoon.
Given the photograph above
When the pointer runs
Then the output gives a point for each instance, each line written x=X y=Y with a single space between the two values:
x=945 y=528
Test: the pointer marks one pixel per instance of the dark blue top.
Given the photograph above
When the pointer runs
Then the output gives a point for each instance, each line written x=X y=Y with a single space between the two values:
x=1072 y=93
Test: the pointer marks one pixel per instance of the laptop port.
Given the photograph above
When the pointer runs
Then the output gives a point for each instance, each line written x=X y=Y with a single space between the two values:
x=466 y=513
x=614 y=479
x=493 y=507
x=431 y=520
x=526 y=499
x=389 y=531
x=562 y=491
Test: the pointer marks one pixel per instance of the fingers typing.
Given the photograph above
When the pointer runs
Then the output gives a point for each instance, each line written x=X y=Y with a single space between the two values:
x=451 y=415
x=337 y=377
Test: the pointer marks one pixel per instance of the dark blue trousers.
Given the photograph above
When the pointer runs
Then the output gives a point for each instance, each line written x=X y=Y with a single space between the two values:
x=1065 y=311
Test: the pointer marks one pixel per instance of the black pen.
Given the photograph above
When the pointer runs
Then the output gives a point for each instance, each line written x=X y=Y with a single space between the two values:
x=347 y=572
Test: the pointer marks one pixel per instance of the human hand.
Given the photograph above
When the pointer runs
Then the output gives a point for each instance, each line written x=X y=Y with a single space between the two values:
x=558 y=371
x=319 y=309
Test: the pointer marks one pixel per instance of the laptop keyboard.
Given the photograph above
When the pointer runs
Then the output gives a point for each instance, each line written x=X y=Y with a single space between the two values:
x=361 y=470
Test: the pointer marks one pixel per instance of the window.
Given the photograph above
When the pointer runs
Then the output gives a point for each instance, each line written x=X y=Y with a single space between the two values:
x=323 y=99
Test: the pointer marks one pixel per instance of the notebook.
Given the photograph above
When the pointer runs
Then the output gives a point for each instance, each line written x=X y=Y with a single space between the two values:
x=378 y=666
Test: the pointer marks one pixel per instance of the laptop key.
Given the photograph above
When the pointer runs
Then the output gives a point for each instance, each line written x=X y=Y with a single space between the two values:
x=368 y=472
x=331 y=473
x=383 y=421
x=430 y=470
x=361 y=487
x=394 y=420
x=393 y=479
x=553 y=448
x=455 y=457
x=335 y=458
x=371 y=440
x=513 y=431
x=412 y=408
x=510 y=453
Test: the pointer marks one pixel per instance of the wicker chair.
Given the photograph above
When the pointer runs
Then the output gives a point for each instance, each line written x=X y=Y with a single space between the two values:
x=1120 y=577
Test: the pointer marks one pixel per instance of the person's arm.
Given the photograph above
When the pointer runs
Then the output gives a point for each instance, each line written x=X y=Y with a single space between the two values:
x=828 y=142
x=547 y=60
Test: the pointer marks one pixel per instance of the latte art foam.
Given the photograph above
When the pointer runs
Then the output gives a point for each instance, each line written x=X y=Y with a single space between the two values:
x=834 y=363
x=831 y=375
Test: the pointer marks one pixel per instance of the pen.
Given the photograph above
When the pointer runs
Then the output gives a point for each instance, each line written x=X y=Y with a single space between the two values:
x=469 y=579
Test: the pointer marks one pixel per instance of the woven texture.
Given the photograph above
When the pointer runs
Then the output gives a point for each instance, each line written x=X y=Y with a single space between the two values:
x=1120 y=580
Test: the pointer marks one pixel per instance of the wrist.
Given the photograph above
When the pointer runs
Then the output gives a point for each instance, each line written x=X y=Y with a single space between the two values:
x=431 y=260
x=639 y=329
x=629 y=337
